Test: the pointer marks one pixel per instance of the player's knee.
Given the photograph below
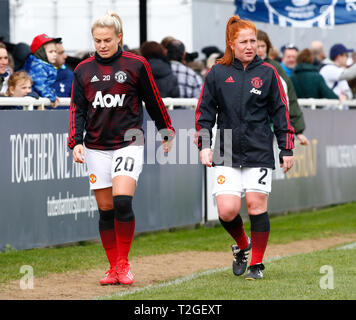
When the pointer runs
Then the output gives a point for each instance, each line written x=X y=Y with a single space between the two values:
x=106 y=219
x=123 y=208
x=227 y=215
x=256 y=204
x=228 y=211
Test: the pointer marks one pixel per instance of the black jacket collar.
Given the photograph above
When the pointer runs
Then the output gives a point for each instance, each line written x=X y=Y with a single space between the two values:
x=108 y=60
x=256 y=61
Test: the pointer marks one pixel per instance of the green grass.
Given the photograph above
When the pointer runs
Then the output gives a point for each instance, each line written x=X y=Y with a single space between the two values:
x=336 y=220
x=332 y=221
x=297 y=277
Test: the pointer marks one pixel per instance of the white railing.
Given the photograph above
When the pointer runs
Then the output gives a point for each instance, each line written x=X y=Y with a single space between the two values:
x=29 y=103
x=327 y=103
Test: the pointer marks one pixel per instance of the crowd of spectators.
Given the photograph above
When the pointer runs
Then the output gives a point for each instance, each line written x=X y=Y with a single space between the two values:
x=43 y=69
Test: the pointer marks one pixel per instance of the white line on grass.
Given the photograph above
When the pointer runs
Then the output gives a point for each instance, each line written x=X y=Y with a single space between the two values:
x=180 y=280
x=170 y=283
x=348 y=246
x=202 y=273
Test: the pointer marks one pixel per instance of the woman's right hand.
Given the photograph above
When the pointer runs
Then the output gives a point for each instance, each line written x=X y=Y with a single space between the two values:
x=78 y=153
x=206 y=157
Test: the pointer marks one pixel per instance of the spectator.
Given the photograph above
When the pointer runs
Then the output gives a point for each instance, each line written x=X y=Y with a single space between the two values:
x=198 y=66
x=307 y=80
x=189 y=81
x=63 y=84
x=350 y=75
x=264 y=47
x=5 y=70
x=20 y=52
x=208 y=51
x=19 y=85
x=350 y=72
x=289 y=58
x=212 y=53
x=274 y=54
x=165 y=41
x=64 y=80
x=161 y=68
x=40 y=66
x=212 y=60
x=319 y=56
x=332 y=72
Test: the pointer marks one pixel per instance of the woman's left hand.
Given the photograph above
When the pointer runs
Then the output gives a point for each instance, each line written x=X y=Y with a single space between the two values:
x=167 y=145
x=288 y=162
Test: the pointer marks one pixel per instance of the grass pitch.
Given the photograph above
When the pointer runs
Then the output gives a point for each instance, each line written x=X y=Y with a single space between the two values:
x=294 y=277
x=323 y=275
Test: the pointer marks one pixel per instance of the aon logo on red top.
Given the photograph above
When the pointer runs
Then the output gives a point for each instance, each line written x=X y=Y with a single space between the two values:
x=108 y=100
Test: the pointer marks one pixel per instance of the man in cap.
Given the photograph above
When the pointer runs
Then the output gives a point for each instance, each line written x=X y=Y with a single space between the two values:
x=332 y=72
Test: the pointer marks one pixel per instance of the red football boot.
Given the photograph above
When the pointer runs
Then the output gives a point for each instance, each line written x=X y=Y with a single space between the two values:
x=125 y=275
x=111 y=277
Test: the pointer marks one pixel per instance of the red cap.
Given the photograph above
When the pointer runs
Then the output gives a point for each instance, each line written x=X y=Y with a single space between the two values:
x=40 y=40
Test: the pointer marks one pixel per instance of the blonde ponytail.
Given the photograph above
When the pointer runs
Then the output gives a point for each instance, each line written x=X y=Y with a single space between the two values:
x=110 y=20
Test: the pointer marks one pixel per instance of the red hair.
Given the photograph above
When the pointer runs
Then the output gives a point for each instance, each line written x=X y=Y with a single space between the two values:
x=233 y=27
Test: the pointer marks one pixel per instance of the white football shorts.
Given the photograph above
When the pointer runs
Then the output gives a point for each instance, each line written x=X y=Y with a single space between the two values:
x=238 y=181
x=104 y=165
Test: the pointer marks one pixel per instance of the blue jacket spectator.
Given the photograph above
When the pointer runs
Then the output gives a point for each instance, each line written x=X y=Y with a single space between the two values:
x=39 y=65
x=63 y=84
x=44 y=76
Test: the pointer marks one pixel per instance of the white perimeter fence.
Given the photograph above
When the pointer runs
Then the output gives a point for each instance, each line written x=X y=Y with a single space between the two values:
x=29 y=103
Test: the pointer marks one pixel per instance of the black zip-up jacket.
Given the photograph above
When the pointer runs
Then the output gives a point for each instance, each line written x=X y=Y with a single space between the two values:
x=245 y=102
x=106 y=101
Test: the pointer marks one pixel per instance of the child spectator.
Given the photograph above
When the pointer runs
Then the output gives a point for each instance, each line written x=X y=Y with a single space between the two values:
x=19 y=85
x=39 y=66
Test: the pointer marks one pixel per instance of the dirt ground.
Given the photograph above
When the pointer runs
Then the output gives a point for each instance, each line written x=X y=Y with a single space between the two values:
x=148 y=270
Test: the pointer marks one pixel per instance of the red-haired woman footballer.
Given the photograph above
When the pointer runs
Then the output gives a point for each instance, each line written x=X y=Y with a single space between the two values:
x=107 y=95
x=245 y=94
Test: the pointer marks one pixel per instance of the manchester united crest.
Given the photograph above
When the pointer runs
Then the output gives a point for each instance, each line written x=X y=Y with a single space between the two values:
x=256 y=82
x=221 y=179
x=92 y=178
x=120 y=76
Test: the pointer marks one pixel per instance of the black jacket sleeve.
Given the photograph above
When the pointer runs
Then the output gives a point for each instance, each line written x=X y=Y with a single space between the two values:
x=278 y=112
x=77 y=114
x=153 y=102
x=205 y=114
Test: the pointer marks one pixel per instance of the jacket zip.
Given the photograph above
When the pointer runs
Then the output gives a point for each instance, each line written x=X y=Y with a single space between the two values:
x=240 y=117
